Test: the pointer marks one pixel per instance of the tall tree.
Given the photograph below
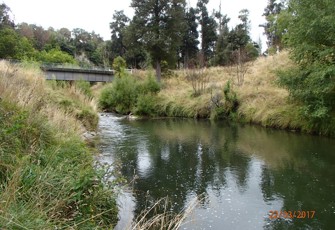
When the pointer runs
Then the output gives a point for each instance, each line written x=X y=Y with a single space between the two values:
x=208 y=30
x=5 y=17
x=239 y=36
x=120 y=21
x=135 y=53
x=272 y=29
x=161 y=27
x=222 y=48
x=189 y=47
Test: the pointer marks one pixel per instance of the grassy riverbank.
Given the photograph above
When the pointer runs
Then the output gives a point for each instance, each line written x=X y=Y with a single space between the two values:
x=47 y=179
x=260 y=100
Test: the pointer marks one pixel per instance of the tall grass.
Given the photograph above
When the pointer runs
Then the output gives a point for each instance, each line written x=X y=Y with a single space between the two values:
x=260 y=100
x=166 y=220
x=47 y=179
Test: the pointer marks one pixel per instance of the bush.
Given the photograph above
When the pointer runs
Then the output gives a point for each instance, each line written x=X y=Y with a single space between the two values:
x=228 y=108
x=146 y=104
x=119 y=66
x=199 y=80
x=126 y=94
x=150 y=85
x=120 y=96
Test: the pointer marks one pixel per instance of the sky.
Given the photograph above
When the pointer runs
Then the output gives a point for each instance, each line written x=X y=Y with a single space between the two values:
x=96 y=15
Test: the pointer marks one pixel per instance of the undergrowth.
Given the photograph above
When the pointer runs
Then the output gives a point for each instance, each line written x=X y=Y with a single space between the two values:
x=47 y=178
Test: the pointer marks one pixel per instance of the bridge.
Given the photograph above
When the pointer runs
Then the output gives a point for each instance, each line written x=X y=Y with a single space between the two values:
x=75 y=74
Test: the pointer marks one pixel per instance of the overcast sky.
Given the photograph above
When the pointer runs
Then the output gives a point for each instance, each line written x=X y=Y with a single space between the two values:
x=96 y=15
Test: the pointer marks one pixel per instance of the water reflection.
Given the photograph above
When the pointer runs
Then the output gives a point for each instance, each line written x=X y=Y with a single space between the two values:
x=241 y=172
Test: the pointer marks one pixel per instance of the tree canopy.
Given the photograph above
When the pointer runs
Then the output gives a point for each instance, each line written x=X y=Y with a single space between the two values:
x=311 y=38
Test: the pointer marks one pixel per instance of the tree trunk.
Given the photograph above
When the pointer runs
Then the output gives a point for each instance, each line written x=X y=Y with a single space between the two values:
x=158 y=70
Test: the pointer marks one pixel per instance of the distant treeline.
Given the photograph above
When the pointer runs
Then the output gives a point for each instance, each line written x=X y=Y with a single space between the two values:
x=162 y=33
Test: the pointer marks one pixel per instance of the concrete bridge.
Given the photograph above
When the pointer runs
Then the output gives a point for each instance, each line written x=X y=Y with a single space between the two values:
x=75 y=74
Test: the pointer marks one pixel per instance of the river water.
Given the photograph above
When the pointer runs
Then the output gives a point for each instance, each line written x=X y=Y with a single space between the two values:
x=241 y=175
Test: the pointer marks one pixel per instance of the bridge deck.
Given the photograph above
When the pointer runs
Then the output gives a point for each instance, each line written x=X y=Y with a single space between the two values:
x=75 y=74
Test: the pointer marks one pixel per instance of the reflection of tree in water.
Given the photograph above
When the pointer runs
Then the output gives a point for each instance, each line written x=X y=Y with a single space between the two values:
x=190 y=162
x=302 y=188
x=187 y=158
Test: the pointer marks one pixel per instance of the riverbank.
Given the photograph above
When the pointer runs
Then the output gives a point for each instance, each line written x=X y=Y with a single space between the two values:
x=259 y=100
x=47 y=177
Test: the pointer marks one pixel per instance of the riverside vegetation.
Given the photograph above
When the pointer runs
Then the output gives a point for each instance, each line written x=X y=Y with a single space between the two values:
x=48 y=177
x=47 y=174
x=216 y=95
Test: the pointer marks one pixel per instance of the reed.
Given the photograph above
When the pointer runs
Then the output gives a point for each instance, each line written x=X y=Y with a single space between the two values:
x=167 y=220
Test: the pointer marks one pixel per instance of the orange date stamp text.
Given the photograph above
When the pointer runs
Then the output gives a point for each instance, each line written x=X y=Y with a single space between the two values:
x=299 y=214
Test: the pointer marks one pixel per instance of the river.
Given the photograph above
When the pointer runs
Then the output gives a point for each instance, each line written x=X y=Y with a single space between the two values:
x=243 y=176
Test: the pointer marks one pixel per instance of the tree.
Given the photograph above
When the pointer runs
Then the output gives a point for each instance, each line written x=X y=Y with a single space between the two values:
x=208 y=29
x=119 y=66
x=272 y=28
x=161 y=26
x=135 y=52
x=242 y=49
x=86 y=44
x=5 y=17
x=63 y=39
x=222 y=49
x=13 y=46
x=311 y=39
x=120 y=22
x=189 y=47
x=55 y=56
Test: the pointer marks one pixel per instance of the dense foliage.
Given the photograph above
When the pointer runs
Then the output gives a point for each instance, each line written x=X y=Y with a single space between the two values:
x=311 y=38
x=128 y=95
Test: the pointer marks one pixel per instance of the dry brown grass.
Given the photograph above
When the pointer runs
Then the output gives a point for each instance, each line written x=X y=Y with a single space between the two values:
x=163 y=221
x=27 y=88
x=261 y=100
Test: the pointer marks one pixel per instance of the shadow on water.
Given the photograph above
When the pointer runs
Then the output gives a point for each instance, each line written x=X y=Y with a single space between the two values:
x=241 y=172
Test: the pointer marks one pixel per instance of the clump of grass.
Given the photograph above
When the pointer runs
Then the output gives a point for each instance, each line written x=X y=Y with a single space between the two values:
x=47 y=179
x=166 y=220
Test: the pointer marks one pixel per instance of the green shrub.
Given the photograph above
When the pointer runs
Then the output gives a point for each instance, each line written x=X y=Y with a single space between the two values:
x=120 y=96
x=146 y=104
x=228 y=108
x=150 y=85
x=119 y=66
x=126 y=94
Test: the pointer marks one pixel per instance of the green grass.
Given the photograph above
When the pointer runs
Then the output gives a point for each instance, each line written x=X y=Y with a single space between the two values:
x=47 y=174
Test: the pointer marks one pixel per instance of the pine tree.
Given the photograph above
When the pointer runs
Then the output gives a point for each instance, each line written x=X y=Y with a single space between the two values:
x=189 y=48
x=222 y=49
x=208 y=30
x=161 y=25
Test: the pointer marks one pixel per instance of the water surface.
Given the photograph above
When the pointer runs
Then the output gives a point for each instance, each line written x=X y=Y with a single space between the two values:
x=239 y=173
